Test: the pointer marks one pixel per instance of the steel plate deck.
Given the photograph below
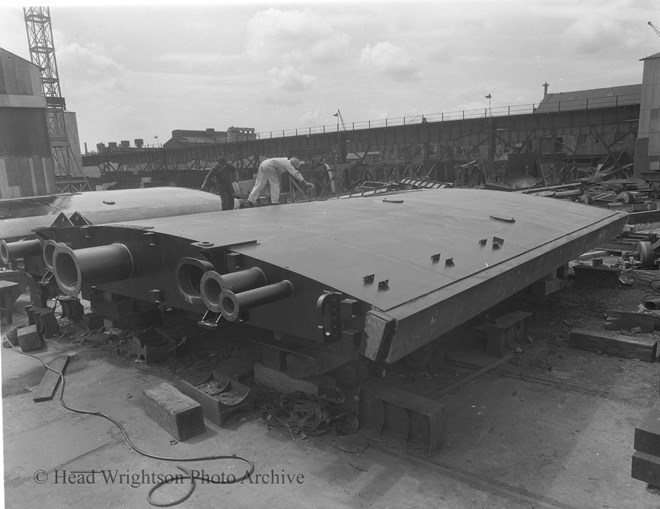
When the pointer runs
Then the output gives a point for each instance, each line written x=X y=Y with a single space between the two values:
x=338 y=242
x=19 y=216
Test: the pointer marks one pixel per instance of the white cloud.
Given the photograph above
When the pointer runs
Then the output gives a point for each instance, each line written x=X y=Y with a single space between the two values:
x=88 y=62
x=290 y=79
x=593 y=35
x=391 y=60
x=294 y=37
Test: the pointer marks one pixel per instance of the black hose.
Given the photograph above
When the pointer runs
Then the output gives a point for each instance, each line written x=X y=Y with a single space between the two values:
x=247 y=474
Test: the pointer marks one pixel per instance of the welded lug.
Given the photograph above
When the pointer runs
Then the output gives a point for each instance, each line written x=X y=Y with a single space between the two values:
x=449 y=262
x=61 y=220
x=47 y=278
x=233 y=304
x=369 y=279
x=233 y=261
x=188 y=273
x=152 y=238
x=483 y=242
x=156 y=295
x=212 y=284
x=497 y=242
x=329 y=307
x=435 y=258
x=354 y=337
x=349 y=309
x=97 y=265
x=78 y=220
x=384 y=285
x=20 y=249
x=210 y=320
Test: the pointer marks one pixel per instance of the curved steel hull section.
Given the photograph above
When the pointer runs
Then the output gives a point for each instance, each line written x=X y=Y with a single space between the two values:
x=401 y=271
x=18 y=217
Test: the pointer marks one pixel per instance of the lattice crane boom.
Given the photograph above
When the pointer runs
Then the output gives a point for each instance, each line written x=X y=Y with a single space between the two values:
x=655 y=29
x=68 y=172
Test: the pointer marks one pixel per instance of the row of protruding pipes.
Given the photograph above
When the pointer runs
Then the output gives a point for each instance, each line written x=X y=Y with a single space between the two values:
x=228 y=294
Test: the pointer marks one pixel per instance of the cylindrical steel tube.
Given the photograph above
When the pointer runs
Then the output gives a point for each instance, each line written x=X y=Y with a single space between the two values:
x=189 y=272
x=90 y=266
x=48 y=252
x=20 y=249
x=212 y=285
x=233 y=303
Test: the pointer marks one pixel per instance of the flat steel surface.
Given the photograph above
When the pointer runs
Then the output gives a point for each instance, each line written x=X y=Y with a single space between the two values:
x=338 y=242
x=20 y=216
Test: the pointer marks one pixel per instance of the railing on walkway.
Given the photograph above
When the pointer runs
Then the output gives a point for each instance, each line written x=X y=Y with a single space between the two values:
x=498 y=111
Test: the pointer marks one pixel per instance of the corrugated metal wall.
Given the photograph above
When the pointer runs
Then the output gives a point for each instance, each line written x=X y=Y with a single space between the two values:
x=647 y=154
x=26 y=176
x=26 y=166
x=18 y=76
x=23 y=132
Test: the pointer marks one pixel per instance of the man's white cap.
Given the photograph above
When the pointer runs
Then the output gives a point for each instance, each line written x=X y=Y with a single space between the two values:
x=294 y=162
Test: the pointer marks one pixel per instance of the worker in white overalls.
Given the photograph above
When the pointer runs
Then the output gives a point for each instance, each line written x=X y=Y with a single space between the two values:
x=269 y=173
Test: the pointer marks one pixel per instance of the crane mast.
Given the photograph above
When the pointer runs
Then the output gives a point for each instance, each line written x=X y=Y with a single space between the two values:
x=68 y=172
x=655 y=29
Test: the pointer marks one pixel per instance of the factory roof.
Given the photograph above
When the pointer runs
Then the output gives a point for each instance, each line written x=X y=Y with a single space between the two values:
x=591 y=99
x=651 y=57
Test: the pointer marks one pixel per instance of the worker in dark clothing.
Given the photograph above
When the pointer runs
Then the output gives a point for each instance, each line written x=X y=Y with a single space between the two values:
x=219 y=181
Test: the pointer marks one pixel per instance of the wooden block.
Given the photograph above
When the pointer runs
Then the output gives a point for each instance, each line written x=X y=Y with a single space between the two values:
x=626 y=320
x=613 y=344
x=38 y=293
x=29 y=338
x=646 y=468
x=547 y=286
x=111 y=310
x=596 y=277
x=126 y=321
x=505 y=332
x=7 y=299
x=285 y=384
x=647 y=434
x=273 y=358
x=49 y=382
x=352 y=374
x=46 y=322
x=92 y=320
x=216 y=408
x=319 y=364
x=176 y=413
x=401 y=414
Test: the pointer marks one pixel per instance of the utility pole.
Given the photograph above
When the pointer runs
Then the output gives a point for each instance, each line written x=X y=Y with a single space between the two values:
x=341 y=146
x=69 y=176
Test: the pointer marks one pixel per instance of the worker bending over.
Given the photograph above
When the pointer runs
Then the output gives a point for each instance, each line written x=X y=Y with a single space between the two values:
x=219 y=181
x=269 y=173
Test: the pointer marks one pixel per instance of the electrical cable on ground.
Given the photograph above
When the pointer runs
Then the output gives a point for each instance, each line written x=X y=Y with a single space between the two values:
x=249 y=471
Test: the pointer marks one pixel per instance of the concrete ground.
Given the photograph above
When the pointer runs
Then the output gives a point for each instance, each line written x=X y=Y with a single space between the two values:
x=551 y=428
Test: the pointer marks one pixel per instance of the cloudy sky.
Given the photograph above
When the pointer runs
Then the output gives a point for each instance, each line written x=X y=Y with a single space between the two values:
x=139 y=71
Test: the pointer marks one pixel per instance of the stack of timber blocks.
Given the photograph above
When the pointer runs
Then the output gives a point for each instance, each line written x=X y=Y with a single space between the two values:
x=29 y=338
x=646 y=459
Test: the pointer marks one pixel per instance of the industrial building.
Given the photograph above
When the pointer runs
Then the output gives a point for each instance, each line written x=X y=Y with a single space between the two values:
x=26 y=166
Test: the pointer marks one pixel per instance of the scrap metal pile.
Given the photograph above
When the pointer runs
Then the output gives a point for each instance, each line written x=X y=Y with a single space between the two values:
x=377 y=276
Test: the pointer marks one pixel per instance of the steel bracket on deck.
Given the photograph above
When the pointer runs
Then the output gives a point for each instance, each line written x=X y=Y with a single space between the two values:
x=210 y=320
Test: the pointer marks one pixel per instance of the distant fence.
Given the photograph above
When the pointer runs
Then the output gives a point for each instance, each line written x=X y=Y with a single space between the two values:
x=499 y=111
